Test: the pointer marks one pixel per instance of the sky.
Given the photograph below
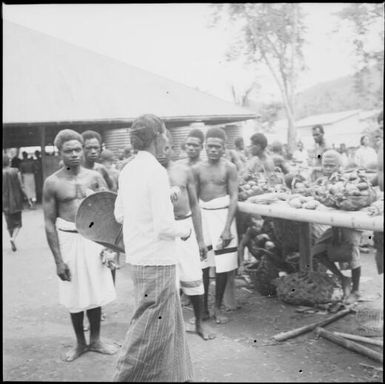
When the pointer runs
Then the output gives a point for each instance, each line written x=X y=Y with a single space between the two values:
x=176 y=41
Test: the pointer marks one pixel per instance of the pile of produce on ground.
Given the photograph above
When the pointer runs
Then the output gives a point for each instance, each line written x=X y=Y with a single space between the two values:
x=306 y=288
x=349 y=192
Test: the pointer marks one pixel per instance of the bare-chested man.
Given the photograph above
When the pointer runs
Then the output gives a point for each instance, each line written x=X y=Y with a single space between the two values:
x=193 y=147
x=85 y=283
x=92 y=150
x=260 y=160
x=217 y=189
x=193 y=250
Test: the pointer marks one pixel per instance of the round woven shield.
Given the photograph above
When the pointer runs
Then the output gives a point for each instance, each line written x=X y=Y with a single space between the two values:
x=95 y=220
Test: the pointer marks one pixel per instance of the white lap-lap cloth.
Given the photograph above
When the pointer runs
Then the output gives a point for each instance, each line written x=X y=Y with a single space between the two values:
x=189 y=270
x=214 y=215
x=155 y=347
x=91 y=282
x=29 y=185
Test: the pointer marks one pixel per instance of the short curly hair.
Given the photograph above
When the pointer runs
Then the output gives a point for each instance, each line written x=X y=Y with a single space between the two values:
x=319 y=127
x=259 y=139
x=144 y=130
x=67 y=135
x=198 y=134
x=87 y=135
x=215 y=132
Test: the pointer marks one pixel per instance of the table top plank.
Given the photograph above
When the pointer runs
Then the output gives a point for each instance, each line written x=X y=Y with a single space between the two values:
x=359 y=220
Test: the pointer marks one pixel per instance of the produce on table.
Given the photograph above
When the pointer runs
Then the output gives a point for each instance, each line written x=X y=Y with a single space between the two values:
x=300 y=185
x=305 y=288
x=306 y=202
x=254 y=184
x=349 y=192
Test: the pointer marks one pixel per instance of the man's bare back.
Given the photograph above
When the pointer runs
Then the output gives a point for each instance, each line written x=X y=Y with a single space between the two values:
x=69 y=189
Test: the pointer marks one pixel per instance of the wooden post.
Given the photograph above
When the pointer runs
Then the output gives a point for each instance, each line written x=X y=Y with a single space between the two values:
x=42 y=150
x=305 y=261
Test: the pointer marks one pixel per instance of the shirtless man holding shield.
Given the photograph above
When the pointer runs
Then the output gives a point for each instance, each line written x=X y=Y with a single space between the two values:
x=85 y=283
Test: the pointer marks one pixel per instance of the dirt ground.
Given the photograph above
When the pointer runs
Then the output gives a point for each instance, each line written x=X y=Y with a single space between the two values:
x=36 y=329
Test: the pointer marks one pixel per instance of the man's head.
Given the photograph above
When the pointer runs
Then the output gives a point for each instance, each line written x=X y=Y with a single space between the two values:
x=107 y=158
x=6 y=160
x=318 y=133
x=380 y=120
x=364 y=140
x=37 y=154
x=276 y=147
x=239 y=143
x=165 y=157
x=300 y=145
x=342 y=148
x=258 y=144
x=92 y=145
x=331 y=162
x=128 y=151
x=194 y=143
x=148 y=132
x=25 y=155
x=70 y=146
x=215 y=143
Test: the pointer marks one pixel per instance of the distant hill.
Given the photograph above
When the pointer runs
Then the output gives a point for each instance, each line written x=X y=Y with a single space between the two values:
x=331 y=96
x=341 y=95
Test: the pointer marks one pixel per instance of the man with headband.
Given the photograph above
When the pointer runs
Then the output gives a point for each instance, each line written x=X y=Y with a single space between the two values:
x=331 y=163
x=155 y=347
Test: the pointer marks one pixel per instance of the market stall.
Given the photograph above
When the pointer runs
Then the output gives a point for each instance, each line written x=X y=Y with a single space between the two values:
x=323 y=215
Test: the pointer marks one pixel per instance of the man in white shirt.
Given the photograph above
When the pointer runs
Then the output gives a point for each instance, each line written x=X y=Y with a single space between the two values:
x=300 y=155
x=366 y=156
x=155 y=348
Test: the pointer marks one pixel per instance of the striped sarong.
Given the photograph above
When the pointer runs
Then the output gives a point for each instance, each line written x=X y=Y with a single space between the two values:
x=155 y=348
x=214 y=216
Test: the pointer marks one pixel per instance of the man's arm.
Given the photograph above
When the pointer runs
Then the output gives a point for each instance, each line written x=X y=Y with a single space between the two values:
x=195 y=173
x=22 y=185
x=162 y=208
x=50 y=215
x=232 y=188
x=236 y=160
x=109 y=184
x=196 y=213
x=118 y=209
x=101 y=183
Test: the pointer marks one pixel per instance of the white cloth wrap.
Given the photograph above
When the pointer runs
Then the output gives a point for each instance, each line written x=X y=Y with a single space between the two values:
x=91 y=282
x=189 y=271
x=214 y=215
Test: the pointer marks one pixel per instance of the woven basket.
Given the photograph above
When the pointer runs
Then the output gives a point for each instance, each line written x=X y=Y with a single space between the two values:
x=305 y=288
x=370 y=321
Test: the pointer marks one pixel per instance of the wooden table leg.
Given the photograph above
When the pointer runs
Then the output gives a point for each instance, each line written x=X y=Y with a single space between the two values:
x=305 y=259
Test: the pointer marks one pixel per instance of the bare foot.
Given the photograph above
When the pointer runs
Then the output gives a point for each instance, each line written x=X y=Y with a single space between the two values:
x=13 y=246
x=346 y=285
x=205 y=316
x=74 y=353
x=353 y=297
x=220 y=318
x=204 y=332
x=103 y=347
